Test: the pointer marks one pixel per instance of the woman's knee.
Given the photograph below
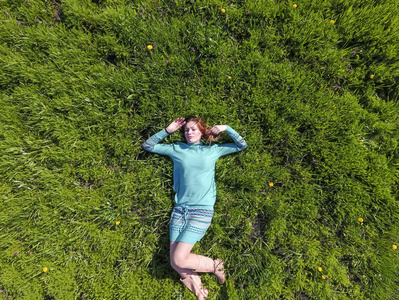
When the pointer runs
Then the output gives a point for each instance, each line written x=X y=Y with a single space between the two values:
x=176 y=261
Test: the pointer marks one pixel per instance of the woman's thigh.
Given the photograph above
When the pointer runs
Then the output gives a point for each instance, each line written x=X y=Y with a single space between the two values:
x=180 y=250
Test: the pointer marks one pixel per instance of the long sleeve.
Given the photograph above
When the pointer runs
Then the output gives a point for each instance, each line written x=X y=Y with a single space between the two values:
x=152 y=145
x=239 y=143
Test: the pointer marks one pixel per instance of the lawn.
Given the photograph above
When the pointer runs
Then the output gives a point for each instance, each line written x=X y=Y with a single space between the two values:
x=310 y=210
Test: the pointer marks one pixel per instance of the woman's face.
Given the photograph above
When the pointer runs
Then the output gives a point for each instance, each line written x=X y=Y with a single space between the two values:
x=192 y=133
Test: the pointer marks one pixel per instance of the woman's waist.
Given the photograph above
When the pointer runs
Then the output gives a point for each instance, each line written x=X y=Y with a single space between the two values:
x=193 y=206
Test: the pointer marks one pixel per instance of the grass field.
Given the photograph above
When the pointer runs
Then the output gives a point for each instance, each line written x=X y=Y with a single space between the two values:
x=310 y=210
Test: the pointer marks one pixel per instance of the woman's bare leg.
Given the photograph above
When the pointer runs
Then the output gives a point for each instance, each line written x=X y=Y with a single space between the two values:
x=179 y=254
x=186 y=263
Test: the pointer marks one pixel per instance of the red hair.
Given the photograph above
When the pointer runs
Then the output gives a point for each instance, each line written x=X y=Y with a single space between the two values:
x=205 y=130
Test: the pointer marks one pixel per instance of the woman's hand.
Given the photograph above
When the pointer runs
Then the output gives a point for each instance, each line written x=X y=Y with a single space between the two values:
x=175 y=125
x=218 y=129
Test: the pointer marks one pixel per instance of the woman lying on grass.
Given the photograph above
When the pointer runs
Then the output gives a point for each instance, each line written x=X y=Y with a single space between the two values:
x=194 y=184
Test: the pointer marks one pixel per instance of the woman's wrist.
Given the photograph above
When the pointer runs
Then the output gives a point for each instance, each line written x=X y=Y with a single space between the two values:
x=166 y=129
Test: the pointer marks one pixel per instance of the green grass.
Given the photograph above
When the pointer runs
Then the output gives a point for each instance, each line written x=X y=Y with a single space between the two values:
x=80 y=93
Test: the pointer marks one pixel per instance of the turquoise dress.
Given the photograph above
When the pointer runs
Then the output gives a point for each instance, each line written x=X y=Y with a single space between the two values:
x=194 y=181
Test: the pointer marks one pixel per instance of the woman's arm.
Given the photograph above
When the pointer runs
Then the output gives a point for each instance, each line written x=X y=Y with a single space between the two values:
x=239 y=142
x=152 y=145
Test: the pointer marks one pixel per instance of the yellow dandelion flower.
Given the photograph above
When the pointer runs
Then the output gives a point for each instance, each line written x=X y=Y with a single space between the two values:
x=360 y=220
x=149 y=47
x=360 y=143
x=394 y=247
x=45 y=269
x=223 y=10
x=324 y=276
x=294 y=6
x=229 y=77
x=372 y=76
x=320 y=269
x=117 y=222
x=332 y=22
x=270 y=183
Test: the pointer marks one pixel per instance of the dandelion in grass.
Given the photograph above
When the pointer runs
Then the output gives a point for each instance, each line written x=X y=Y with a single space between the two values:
x=229 y=77
x=149 y=47
x=320 y=269
x=394 y=247
x=223 y=10
x=323 y=276
x=45 y=269
x=117 y=222
x=271 y=184
x=294 y=6
x=332 y=21
x=360 y=220
x=372 y=76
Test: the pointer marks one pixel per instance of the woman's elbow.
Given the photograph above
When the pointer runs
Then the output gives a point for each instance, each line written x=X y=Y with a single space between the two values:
x=147 y=147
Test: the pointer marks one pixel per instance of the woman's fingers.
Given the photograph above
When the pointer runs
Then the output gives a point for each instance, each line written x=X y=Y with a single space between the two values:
x=179 y=122
x=215 y=130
